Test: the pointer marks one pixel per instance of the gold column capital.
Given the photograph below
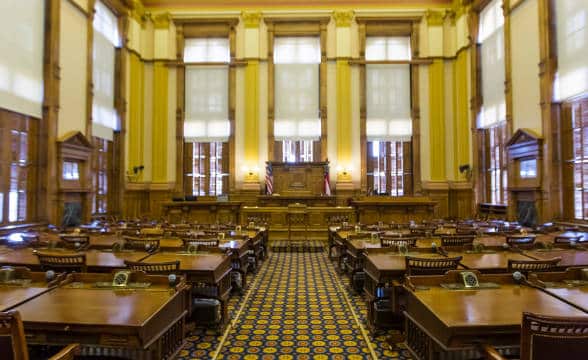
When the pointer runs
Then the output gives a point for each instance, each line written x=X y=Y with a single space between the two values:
x=136 y=10
x=162 y=21
x=434 y=18
x=251 y=19
x=343 y=17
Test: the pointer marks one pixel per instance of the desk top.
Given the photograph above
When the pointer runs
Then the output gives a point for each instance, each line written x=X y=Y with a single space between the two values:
x=576 y=295
x=487 y=261
x=394 y=261
x=86 y=306
x=191 y=262
x=490 y=307
x=94 y=258
x=569 y=257
x=11 y=296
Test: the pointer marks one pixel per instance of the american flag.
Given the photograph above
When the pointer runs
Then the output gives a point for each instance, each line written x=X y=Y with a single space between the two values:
x=327 y=181
x=269 y=179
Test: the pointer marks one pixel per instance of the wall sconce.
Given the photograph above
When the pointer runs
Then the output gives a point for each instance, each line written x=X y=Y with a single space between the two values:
x=466 y=169
x=343 y=173
x=251 y=173
x=132 y=176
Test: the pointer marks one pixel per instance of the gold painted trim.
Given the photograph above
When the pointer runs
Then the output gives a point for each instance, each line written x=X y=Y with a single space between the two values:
x=251 y=19
x=343 y=18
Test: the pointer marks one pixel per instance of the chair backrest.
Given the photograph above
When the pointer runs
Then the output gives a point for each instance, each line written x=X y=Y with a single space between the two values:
x=520 y=240
x=457 y=240
x=154 y=268
x=13 y=344
x=149 y=244
x=156 y=231
x=62 y=263
x=527 y=266
x=395 y=241
x=430 y=266
x=74 y=241
x=549 y=337
x=563 y=239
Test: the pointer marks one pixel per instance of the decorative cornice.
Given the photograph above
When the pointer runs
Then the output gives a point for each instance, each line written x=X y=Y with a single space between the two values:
x=162 y=21
x=343 y=18
x=136 y=10
x=251 y=19
x=434 y=18
x=449 y=15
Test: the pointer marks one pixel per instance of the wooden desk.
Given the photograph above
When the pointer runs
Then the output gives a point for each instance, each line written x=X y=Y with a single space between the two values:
x=209 y=275
x=14 y=295
x=202 y=211
x=372 y=209
x=569 y=257
x=96 y=260
x=487 y=262
x=554 y=283
x=442 y=323
x=139 y=323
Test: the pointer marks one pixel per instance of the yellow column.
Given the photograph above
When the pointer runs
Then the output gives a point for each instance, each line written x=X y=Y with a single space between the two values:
x=160 y=119
x=437 y=123
x=251 y=129
x=461 y=111
x=344 y=133
x=135 y=125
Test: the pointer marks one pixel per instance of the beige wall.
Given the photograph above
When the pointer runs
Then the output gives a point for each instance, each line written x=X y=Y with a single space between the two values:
x=73 y=70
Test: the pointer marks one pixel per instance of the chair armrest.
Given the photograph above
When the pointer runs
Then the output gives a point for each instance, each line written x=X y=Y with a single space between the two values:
x=490 y=353
x=67 y=353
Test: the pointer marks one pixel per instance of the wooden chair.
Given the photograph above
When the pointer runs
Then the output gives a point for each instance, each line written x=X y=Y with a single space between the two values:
x=549 y=337
x=13 y=344
x=207 y=242
x=157 y=231
x=527 y=266
x=62 y=263
x=566 y=239
x=457 y=240
x=75 y=241
x=430 y=266
x=149 y=244
x=170 y=267
x=396 y=241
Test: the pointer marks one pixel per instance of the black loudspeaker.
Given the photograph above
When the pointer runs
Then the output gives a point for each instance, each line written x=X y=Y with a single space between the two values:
x=206 y=311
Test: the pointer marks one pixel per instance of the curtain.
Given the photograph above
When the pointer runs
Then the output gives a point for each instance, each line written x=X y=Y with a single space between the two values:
x=572 y=48
x=492 y=57
x=21 y=60
x=296 y=74
x=387 y=48
x=206 y=50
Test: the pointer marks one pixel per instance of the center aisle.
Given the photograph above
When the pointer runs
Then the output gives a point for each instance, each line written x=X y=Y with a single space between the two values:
x=296 y=310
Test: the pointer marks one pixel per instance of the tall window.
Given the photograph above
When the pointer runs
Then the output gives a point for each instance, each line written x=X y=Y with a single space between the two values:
x=297 y=125
x=388 y=121
x=101 y=170
x=105 y=120
x=16 y=166
x=206 y=126
x=492 y=117
x=579 y=117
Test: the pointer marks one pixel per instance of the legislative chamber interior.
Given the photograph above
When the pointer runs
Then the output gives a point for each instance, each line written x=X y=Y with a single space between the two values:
x=290 y=179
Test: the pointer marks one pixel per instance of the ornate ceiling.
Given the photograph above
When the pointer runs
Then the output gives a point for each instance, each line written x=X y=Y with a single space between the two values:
x=236 y=4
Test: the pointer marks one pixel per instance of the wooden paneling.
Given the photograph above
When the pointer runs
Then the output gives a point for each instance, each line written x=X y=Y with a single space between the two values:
x=371 y=210
x=299 y=178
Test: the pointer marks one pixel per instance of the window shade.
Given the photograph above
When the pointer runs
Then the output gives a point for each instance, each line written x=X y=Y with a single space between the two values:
x=492 y=53
x=207 y=104
x=572 y=48
x=21 y=63
x=296 y=74
x=207 y=50
x=387 y=48
x=388 y=103
x=388 y=90
x=106 y=38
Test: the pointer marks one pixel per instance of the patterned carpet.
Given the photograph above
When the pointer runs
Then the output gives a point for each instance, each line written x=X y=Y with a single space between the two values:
x=297 y=308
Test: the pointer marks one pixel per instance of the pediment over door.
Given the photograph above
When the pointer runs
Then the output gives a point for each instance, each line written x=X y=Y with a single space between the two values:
x=524 y=143
x=74 y=145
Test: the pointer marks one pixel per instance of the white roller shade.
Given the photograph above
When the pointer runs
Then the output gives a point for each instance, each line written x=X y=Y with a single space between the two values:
x=388 y=90
x=387 y=48
x=492 y=53
x=572 y=48
x=21 y=55
x=296 y=83
x=106 y=39
x=207 y=50
x=388 y=103
x=207 y=104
